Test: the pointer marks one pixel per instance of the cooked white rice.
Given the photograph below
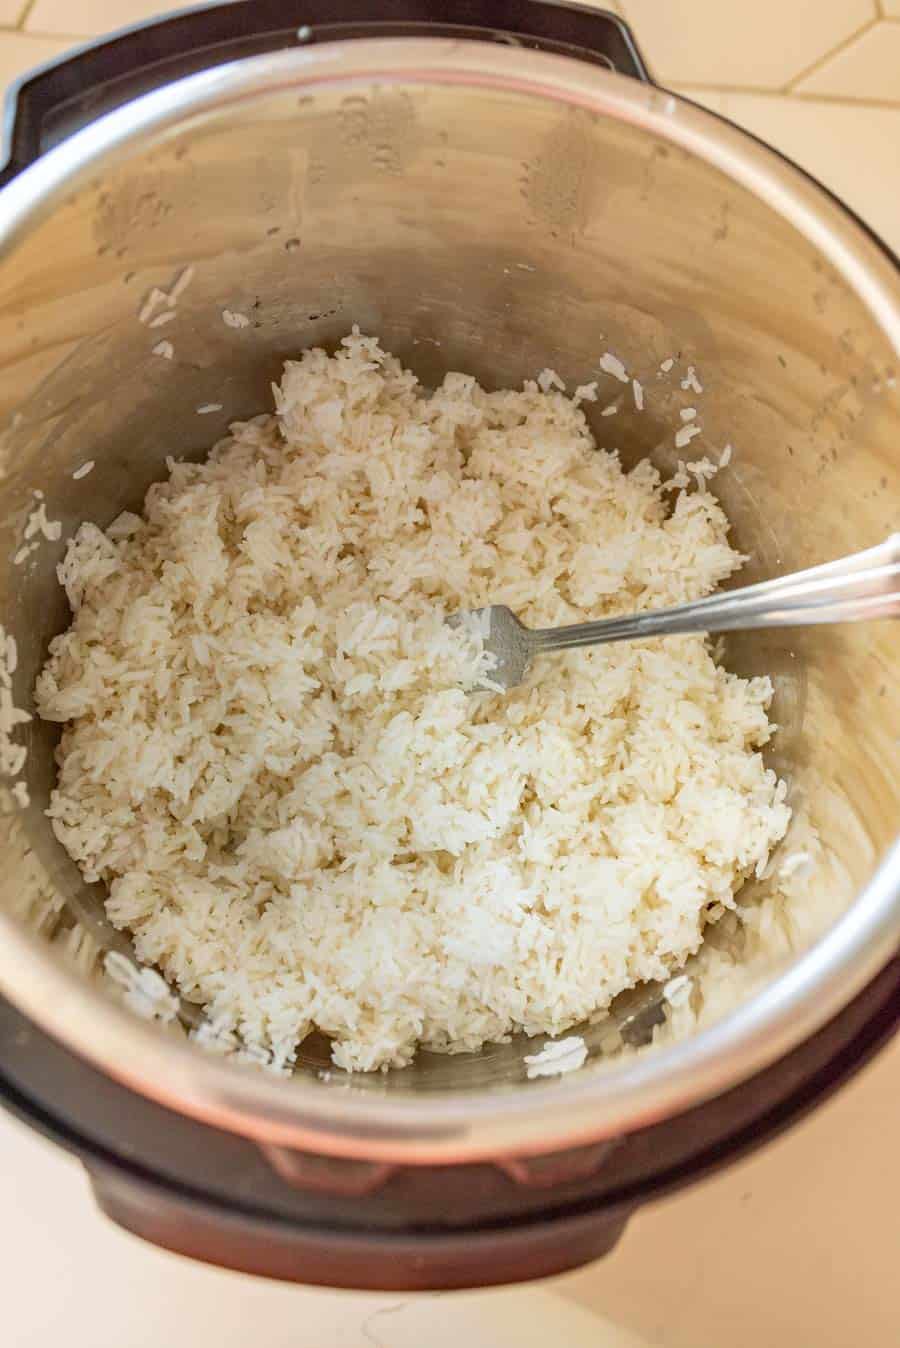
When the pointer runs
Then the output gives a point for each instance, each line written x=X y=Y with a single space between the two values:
x=274 y=760
x=557 y=1057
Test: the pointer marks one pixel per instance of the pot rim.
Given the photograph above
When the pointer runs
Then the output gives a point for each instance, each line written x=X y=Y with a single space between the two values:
x=445 y=1127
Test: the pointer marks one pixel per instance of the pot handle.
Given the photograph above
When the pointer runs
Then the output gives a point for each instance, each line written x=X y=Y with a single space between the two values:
x=49 y=104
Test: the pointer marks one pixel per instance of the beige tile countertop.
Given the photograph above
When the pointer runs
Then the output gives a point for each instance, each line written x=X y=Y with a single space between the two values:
x=795 y=1246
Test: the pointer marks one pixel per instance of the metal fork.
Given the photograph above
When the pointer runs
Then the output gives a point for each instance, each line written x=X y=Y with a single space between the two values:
x=852 y=589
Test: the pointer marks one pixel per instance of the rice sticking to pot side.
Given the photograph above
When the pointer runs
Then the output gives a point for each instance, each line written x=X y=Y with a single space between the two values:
x=274 y=757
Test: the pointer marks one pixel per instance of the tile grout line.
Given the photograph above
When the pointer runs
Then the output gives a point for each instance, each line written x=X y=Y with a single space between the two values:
x=40 y=36
x=846 y=101
x=757 y=91
x=727 y=88
x=23 y=17
x=823 y=60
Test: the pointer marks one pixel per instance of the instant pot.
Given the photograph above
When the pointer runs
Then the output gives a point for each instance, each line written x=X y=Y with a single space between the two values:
x=494 y=186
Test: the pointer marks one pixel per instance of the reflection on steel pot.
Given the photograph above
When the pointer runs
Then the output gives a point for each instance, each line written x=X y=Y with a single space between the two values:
x=484 y=206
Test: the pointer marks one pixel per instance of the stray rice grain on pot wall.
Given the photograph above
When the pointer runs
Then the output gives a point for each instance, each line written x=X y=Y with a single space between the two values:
x=274 y=757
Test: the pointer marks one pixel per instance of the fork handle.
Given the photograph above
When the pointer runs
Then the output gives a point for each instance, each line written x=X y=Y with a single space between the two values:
x=852 y=589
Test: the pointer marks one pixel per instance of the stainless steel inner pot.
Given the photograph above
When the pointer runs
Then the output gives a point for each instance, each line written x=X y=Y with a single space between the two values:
x=494 y=210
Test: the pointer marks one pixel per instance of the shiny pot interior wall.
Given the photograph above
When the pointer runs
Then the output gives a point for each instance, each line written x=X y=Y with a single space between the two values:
x=477 y=229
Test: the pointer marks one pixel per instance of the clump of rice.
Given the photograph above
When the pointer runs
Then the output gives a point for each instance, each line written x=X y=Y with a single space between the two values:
x=274 y=758
x=557 y=1057
x=12 y=753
